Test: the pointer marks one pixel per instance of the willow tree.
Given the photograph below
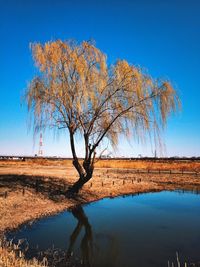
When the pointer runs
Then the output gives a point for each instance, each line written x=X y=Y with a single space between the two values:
x=76 y=89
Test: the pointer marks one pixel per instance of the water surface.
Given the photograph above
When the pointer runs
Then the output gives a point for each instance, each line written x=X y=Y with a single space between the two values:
x=143 y=230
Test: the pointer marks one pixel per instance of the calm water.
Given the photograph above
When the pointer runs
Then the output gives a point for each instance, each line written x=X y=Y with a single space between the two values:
x=134 y=231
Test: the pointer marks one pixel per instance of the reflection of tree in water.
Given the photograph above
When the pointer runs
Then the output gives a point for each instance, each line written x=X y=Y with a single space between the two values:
x=91 y=252
x=60 y=258
x=86 y=242
x=102 y=252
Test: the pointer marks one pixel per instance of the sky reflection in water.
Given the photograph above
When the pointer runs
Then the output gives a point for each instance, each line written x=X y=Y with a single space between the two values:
x=140 y=230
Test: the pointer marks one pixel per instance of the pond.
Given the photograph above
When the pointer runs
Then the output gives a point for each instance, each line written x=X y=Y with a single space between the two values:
x=134 y=231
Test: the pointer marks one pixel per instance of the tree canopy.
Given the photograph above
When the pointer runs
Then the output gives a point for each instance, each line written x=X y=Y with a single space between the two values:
x=76 y=89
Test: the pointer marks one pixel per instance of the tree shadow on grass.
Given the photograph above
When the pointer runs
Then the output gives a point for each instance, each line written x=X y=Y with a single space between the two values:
x=53 y=188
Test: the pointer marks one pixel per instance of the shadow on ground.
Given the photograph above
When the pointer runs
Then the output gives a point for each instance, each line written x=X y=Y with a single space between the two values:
x=52 y=188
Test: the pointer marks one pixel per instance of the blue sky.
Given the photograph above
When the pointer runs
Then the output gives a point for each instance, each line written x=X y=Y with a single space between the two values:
x=160 y=35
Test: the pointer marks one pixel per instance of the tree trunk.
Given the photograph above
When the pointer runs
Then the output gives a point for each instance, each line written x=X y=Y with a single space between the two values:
x=84 y=176
x=74 y=189
x=85 y=171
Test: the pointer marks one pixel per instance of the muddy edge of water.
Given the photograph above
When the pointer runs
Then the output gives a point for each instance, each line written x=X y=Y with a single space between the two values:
x=18 y=208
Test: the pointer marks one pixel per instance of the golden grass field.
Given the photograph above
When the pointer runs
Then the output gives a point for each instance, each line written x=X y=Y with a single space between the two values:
x=150 y=164
x=120 y=163
x=21 y=201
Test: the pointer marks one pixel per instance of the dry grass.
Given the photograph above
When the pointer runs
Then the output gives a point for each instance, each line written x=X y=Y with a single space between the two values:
x=150 y=164
x=55 y=178
x=18 y=208
x=11 y=256
x=25 y=206
x=115 y=163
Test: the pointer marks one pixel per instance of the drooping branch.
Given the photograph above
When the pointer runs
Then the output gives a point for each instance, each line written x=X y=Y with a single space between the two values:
x=78 y=90
x=120 y=114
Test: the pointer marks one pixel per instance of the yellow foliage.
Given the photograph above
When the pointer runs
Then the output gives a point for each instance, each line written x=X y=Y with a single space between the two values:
x=78 y=90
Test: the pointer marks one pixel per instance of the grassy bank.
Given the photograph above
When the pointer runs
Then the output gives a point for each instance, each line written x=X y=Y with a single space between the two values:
x=29 y=190
x=22 y=201
x=151 y=164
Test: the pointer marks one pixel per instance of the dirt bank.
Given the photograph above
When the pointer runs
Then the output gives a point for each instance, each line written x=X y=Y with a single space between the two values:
x=28 y=191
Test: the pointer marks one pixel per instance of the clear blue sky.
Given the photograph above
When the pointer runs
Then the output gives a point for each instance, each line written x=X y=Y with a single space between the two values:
x=161 y=35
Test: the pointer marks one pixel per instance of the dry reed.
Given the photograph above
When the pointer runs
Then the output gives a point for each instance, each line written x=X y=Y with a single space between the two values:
x=12 y=256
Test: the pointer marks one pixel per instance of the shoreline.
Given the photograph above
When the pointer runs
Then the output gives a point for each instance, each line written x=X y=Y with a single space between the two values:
x=31 y=192
x=10 y=254
x=88 y=202
x=76 y=203
x=43 y=216
x=21 y=202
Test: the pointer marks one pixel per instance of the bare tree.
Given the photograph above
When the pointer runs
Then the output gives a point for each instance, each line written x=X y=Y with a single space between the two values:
x=77 y=90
